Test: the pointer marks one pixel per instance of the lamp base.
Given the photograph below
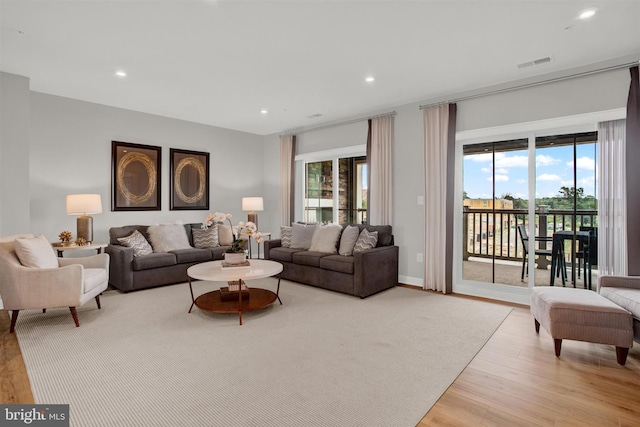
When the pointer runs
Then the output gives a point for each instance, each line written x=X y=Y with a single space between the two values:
x=84 y=225
x=253 y=217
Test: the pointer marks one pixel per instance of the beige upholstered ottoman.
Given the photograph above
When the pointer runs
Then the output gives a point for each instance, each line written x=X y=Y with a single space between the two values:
x=582 y=315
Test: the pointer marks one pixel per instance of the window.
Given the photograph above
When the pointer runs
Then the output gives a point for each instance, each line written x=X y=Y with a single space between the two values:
x=335 y=187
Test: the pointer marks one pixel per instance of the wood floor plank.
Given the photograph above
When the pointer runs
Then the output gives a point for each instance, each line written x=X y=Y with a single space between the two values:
x=14 y=381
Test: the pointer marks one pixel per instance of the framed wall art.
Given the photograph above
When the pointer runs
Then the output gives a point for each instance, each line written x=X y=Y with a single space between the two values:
x=135 y=177
x=189 y=180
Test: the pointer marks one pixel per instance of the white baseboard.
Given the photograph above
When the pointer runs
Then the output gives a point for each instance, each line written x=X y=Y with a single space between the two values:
x=408 y=280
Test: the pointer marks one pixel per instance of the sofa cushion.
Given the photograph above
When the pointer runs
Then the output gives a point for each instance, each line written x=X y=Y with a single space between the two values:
x=339 y=263
x=153 y=260
x=301 y=235
x=168 y=237
x=218 y=252
x=205 y=238
x=627 y=298
x=348 y=240
x=35 y=252
x=366 y=240
x=184 y=256
x=325 y=238
x=225 y=235
x=283 y=254
x=137 y=242
x=308 y=258
x=285 y=236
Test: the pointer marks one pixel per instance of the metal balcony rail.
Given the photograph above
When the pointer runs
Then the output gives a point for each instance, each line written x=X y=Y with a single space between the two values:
x=493 y=233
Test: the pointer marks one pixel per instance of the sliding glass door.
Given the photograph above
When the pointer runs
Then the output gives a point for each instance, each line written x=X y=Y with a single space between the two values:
x=518 y=195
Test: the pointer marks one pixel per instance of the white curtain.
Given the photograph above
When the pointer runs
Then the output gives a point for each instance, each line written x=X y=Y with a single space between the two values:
x=436 y=137
x=381 y=171
x=612 y=206
x=287 y=157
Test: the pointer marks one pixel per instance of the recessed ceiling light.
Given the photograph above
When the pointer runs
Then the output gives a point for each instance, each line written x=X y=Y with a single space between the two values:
x=264 y=111
x=370 y=79
x=121 y=73
x=587 y=13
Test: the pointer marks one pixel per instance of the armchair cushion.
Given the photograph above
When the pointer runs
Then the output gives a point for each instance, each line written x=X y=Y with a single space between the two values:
x=94 y=277
x=36 y=252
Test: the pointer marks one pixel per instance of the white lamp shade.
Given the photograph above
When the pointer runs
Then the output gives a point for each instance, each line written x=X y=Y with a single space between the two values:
x=81 y=204
x=252 y=204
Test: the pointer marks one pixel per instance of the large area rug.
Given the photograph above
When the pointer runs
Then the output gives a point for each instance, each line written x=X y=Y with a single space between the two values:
x=321 y=359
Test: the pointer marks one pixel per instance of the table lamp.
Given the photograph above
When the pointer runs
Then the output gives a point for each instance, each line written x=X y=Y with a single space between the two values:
x=83 y=205
x=252 y=204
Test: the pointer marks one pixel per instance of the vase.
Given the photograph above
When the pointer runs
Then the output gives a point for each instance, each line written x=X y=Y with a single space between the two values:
x=234 y=258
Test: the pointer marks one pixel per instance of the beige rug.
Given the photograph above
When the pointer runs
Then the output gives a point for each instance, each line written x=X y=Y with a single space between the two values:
x=321 y=359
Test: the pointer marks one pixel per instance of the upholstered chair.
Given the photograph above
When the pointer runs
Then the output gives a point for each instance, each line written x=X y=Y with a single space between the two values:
x=37 y=279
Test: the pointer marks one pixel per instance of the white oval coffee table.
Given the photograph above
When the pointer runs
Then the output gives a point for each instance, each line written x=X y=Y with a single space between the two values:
x=213 y=271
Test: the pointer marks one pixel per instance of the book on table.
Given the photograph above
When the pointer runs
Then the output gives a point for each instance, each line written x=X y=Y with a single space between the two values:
x=230 y=292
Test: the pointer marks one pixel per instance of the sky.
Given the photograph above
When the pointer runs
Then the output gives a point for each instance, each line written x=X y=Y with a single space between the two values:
x=554 y=169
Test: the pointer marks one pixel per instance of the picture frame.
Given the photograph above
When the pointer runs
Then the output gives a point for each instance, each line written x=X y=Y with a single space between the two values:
x=135 y=177
x=189 y=184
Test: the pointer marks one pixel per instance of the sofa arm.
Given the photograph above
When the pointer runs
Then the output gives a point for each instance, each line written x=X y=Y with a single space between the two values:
x=270 y=244
x=620 y=282
x=120 y=267
x=375 y=269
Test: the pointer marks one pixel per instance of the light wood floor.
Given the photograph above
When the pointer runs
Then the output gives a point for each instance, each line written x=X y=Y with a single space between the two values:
x=515 y=380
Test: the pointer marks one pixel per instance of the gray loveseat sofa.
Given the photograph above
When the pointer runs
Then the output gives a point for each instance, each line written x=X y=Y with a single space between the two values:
x=361 y=274
x=129 y=273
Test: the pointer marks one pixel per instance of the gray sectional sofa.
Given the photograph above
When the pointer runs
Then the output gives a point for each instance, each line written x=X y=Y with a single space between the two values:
x=361 y=274
x=129 y=273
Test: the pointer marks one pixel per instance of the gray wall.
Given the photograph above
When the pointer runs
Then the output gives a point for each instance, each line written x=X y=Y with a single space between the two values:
x=598 y=92
x=69 y=151
x=14 y=154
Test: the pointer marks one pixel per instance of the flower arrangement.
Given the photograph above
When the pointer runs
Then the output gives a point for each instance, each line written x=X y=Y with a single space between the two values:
x=248 y=228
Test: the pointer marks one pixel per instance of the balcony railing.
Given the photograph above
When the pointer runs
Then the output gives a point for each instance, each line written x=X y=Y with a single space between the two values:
x=493 y=233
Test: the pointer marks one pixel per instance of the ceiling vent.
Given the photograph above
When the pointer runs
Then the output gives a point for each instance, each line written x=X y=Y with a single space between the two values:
x=535 y=62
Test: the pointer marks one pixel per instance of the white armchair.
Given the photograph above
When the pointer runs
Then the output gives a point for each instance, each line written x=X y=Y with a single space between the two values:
x=74 y=282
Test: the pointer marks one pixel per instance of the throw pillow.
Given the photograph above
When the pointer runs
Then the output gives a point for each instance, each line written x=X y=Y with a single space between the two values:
x=325 y=238
x=285 y=236
x=348 y=240
x=168 y=237
x=35 y=252
x=225 y=235
x=301 y=235
x=203 y=239
x=366 y=240
x=136 y=241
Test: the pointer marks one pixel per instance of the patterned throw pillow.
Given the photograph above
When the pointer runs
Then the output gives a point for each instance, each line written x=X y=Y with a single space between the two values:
x=285 y=236
x=136 y=241
x=366 y=240
x=203 y=239
x=348 y=240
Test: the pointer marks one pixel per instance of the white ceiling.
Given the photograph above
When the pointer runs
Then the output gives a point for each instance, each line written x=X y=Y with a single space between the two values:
x=221 y=62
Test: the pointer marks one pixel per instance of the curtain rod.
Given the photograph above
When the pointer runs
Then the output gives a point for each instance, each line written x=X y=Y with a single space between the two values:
x=528 y=85
x=330 y=125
